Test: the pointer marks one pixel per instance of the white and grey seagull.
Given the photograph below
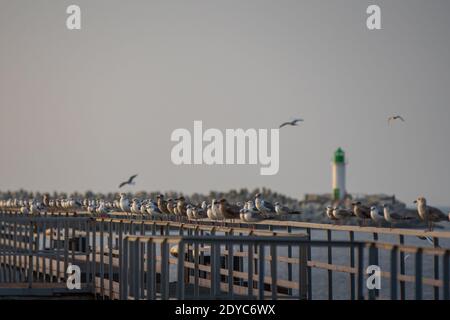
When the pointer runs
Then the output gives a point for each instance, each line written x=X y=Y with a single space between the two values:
x=429 y=214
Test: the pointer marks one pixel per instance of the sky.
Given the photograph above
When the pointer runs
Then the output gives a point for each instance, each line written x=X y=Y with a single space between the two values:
x=84 y=109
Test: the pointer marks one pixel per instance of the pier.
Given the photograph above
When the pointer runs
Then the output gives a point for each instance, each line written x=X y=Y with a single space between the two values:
x=130 y=257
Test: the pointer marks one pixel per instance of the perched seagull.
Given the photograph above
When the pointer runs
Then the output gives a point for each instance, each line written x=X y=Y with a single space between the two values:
x=227 y=210
x=34 y=208
x=392 y=118
x=429 y=214
x=143 y=207
x=329 y=213
x=181 y=206
x=290 y=123
x=283 y=210
x=199 y=212
x=124 y=203
x=189 y=212
x=24 y=210
x=215 y=210
x=171 y=206
x=376 y=216
x=162 y=204
x=135 y=206
x=341 y=213
x=263 y=206
x=102 y=210
x=249 y=213
x=392 y=216
x=153 y=210
x=129 y=181
x=209 y=212
x=362 y=212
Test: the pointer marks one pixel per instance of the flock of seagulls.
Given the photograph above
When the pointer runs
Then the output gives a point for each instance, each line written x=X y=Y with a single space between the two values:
x=250 y=211
x=426 y=213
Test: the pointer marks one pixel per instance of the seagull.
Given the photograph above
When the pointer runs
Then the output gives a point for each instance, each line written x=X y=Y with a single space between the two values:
x=249 y=213
x=215 y=210
x=283 y=210
x=102 y=210
x=171 y=206
x=329 y=213
x=209 y=212
x=181 y=206
x=376 y=216
x=135 y=206
x=129 y=181
x=24 y=210
x=34 y=208
x=392 y=216
x=392 y=118
x=341 y=213
x=429 y=214
x=189 y=212
x=263 y=206
x=162 y=204
x=198 y=212
x=227 y=210
x=124 y=203
x=361 y=211
x=290 y=123
x=153 y=210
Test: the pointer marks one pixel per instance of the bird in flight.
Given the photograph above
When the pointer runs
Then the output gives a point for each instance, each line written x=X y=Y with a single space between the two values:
x=130 y=181
x=392 y=118
x=290 y=123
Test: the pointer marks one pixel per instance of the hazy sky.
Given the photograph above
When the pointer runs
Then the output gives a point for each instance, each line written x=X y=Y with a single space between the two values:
x=84 y=109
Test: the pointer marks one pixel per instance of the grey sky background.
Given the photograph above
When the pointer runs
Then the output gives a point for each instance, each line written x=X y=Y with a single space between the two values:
x=82 y=110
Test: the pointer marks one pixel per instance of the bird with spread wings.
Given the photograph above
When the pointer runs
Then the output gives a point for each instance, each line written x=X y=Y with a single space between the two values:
x=290 y=123
x=129 y=181
x=392 y=118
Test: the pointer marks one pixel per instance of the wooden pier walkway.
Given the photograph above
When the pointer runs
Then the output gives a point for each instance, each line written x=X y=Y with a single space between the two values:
x=124 y=257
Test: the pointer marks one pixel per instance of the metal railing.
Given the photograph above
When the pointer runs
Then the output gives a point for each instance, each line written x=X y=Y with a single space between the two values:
x=125 y=258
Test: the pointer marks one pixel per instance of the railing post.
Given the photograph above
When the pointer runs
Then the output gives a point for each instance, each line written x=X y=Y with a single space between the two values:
x=273 y=271
x=402 y=269
x=303 y=271
x=250 y=270
x=419 y=274
x=151 y=270
x=124 y=271
x=436 y=268
x=30 y=252
x=352 y=264
x=180 y=269
x=261 y=271
x=394 y=255
x=372 y=261
x=446 y=272
x=308 y=268
x=289 y=231
x=330 y=262
x=360 y=272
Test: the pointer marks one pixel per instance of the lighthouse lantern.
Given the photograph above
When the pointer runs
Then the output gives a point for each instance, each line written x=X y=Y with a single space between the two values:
x=338 y=175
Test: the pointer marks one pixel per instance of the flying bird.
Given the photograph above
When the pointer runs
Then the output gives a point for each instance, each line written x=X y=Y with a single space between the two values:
x=392 y=118
x=290 y=123
x=130 y=181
